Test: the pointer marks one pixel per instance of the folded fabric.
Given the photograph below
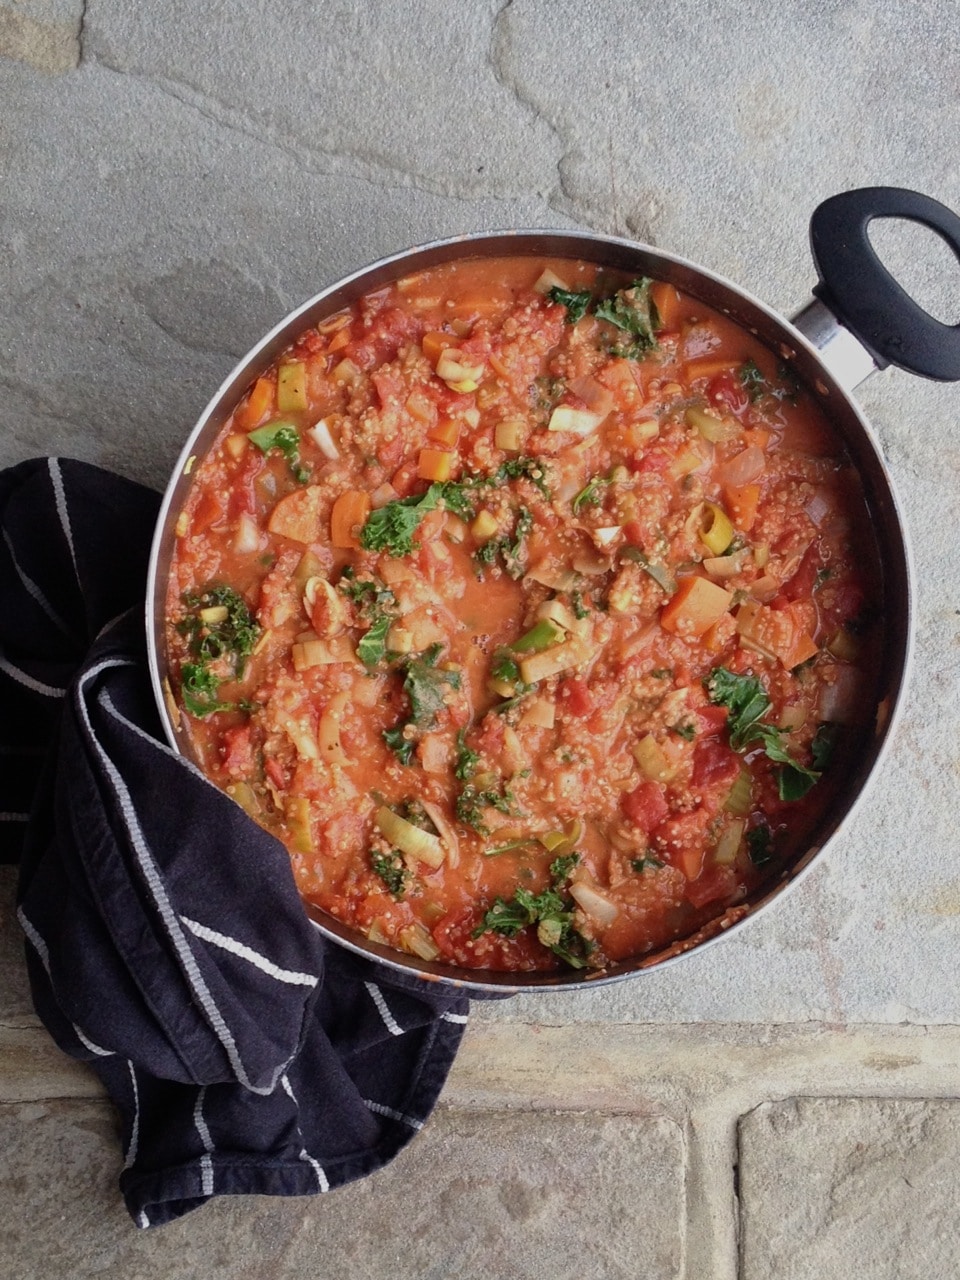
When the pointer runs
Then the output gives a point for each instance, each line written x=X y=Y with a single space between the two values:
x=166 y=942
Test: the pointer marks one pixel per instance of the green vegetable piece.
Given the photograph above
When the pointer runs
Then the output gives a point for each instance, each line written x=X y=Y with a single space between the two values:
x=521 y=468
x=549 y=911
x=747 y=702
x=467 y=760
x=590 y=495
x=284 y=437
x=198 y=689
x=424 y=685
x=576 y=303
x=472 y=801
x=642 y=864
x=760 y=845
x=661 y=576
x=823 y=744
x=392 y=527
x=400 y=745
x=373 y=643
x=541 y=635
x=633 y=312
x=391 y=870
x=752 y=380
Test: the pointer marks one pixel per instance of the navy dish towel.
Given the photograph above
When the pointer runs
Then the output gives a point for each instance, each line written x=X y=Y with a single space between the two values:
x=166 y=942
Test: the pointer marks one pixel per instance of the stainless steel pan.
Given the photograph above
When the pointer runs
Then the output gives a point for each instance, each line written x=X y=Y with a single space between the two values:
x=859 y=320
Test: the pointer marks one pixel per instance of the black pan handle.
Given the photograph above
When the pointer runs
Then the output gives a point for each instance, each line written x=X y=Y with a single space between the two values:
x=862 y=293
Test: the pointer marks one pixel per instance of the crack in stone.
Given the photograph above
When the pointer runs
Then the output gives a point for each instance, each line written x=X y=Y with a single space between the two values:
x=309 y=158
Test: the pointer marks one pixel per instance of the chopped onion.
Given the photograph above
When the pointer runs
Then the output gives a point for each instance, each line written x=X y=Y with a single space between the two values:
x=447 y=833
x=320 y=433
x=579 y=422
x=415 y=939
x=722 y=567
x=596 y=906
x=248 y=535
x=548 y=280
x=412 y=841
x=743 y=468
x=606 y=535
x=818 y=506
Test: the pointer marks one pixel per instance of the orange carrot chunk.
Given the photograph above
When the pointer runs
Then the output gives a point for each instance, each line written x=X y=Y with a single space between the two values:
x=696 y=605
x=259 y=403
x=435 y=464
x=742 y=501
x=347 y=518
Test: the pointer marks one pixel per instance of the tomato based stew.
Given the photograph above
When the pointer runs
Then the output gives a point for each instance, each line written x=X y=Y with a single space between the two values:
x=526 y=604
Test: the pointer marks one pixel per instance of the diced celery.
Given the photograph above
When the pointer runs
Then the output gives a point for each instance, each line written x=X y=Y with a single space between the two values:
x=541 y=635
x=292 y=387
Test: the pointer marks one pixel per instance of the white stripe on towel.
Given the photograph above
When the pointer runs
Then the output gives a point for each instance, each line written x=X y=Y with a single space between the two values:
x=383 y=1110
x=131 y=1155
x=28 y=682
x=34 y=591
x=206 y=1164
x=389 y=1020
x=43 y=952
x=247 y=953
x=154 y=882
x=322 y=1181
x=60 y=498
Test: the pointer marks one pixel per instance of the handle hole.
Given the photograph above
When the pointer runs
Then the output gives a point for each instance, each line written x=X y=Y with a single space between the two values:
x=922 y=263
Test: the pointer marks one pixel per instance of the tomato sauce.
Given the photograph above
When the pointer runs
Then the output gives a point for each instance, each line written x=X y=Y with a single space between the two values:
x=525 y=603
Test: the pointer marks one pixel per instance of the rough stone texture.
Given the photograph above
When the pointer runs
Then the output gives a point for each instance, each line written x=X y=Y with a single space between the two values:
x=533 y=1195
x=16 y=1008
x=832 y=1188
x=45 y=34
x=192 y=179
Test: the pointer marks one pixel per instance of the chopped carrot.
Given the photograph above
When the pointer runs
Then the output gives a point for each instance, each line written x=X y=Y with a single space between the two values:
x=669 y=304
x=696 y=605
x=297 y=516
x=741 y=501
x=758 y=436
x=778 y=633
x=435 y=464
x=434 y=343
x=339 y=340
x=707 y=367
x=347 y=518
x=446 y=432
x=690 y=861
x=258 y=403
x=420 y=406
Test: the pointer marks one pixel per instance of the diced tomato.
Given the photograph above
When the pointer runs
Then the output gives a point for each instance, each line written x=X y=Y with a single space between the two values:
x=712 y=885
x=800 y=586
x=656 y=460
x=714 y=763
x=712 y=718
x=236 y=751
x=242 y=497
x=575 y=696
x=726 y=389
x=275 y=772
x=405 y=479
x=209 y=510
x=309 y=344
x=645 y=806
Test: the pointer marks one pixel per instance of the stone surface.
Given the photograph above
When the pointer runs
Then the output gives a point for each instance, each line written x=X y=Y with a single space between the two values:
x=533 y=1195
x=831 y=1188
x=170 y=197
